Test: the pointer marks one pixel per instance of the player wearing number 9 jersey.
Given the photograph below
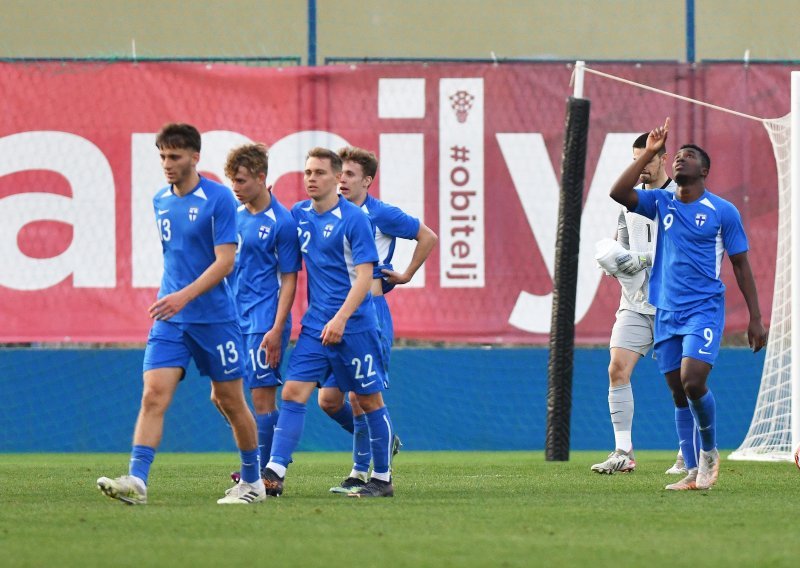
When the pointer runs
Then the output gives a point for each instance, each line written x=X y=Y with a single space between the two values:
x=696 y=228
x=339 y=329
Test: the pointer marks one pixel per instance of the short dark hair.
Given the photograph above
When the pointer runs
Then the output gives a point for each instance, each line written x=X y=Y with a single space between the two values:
x=178 y=135
x=326 y=154
x=364 y=158
x=641 y=143
x=703 y=155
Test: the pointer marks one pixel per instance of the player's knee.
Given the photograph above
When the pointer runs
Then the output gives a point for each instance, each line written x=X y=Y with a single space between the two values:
x=263 y=400
x=330 y=405
x=297 y=391
x=154 y=401
x=618 y=375
x=370 y=402
x=679 y=398
x=694 y=389
x=354 y=403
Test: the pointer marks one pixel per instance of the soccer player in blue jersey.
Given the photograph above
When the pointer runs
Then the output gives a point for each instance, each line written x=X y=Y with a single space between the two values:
x=264 y=282
x=632 y=334
x=696 y=227
x=339 y=332
x=359 y=168
x=194 y=317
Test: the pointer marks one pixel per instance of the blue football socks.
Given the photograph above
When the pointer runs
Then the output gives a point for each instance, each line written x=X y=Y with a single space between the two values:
x=381 y=435
x=704 y=410
x=266 y=430
x=362 y=450
x=684 y=425
x=141 y=459
x=344 y=417
x=250 y=466
x=288 y=431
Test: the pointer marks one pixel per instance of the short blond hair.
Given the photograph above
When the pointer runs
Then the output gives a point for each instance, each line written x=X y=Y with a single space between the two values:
x=253 y=157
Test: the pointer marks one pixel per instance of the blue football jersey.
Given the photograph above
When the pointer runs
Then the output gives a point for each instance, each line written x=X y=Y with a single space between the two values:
x=332 y=244
x=190 y=227
x=692 y=238
x=267 y=248
x=390 y=223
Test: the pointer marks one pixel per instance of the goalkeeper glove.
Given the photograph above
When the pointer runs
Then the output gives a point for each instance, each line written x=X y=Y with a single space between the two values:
x=632 y=262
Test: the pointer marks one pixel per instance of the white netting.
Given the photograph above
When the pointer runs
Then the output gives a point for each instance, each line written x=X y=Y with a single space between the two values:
x=770 y=437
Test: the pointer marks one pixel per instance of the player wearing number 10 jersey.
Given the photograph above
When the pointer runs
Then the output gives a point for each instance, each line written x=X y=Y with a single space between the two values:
x=696 y=228
x=264 y=282
x=339 y=330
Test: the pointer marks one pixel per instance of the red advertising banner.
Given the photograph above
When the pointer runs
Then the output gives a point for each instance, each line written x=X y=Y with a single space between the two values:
x=474 y=150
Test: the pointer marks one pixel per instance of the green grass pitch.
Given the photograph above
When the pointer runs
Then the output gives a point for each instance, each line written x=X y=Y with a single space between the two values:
x=450 y=509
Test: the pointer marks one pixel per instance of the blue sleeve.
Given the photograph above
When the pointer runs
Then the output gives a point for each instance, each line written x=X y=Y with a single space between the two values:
x=288 y=246
x=733 y=236
x=225 y=219
x=295 y=211
x=395 y=222
x=647 y=203
x=362 y=238
x=155 y=215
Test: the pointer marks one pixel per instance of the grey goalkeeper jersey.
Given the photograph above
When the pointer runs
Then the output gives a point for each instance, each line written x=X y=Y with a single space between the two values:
x=638 y=233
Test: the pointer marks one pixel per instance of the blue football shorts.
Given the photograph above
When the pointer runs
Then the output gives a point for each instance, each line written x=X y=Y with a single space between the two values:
x=695 y=332
x=215 y=347
x=386 y=327
x=386 y=333
x=258 y=374
x=355 y=363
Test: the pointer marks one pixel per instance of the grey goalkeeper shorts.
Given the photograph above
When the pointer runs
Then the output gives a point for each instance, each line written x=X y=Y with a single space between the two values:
x=633 y=331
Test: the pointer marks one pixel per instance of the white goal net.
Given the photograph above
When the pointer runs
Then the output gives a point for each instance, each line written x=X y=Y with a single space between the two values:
x=774 y=432
x=770 y=433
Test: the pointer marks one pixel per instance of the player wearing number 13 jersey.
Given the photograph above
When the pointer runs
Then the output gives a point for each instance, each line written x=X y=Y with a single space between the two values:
x=194 y=317
x=695 y=228
x=339 y=330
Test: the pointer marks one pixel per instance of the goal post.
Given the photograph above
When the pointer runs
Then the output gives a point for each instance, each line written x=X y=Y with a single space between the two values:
x=794 y=149
x=565 y=281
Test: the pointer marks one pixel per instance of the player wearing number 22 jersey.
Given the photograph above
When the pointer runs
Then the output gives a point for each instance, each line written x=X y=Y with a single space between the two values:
x=332 y=243
x=339 y=333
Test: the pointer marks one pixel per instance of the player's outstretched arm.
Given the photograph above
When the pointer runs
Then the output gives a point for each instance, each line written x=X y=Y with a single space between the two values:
x=756 y=333
x=334 y=330
x=171 y=304
x=271 y=343
x=623 y=191
x=426 y=240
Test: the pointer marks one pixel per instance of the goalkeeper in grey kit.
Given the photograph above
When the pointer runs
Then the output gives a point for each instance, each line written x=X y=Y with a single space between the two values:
x=629 y=260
